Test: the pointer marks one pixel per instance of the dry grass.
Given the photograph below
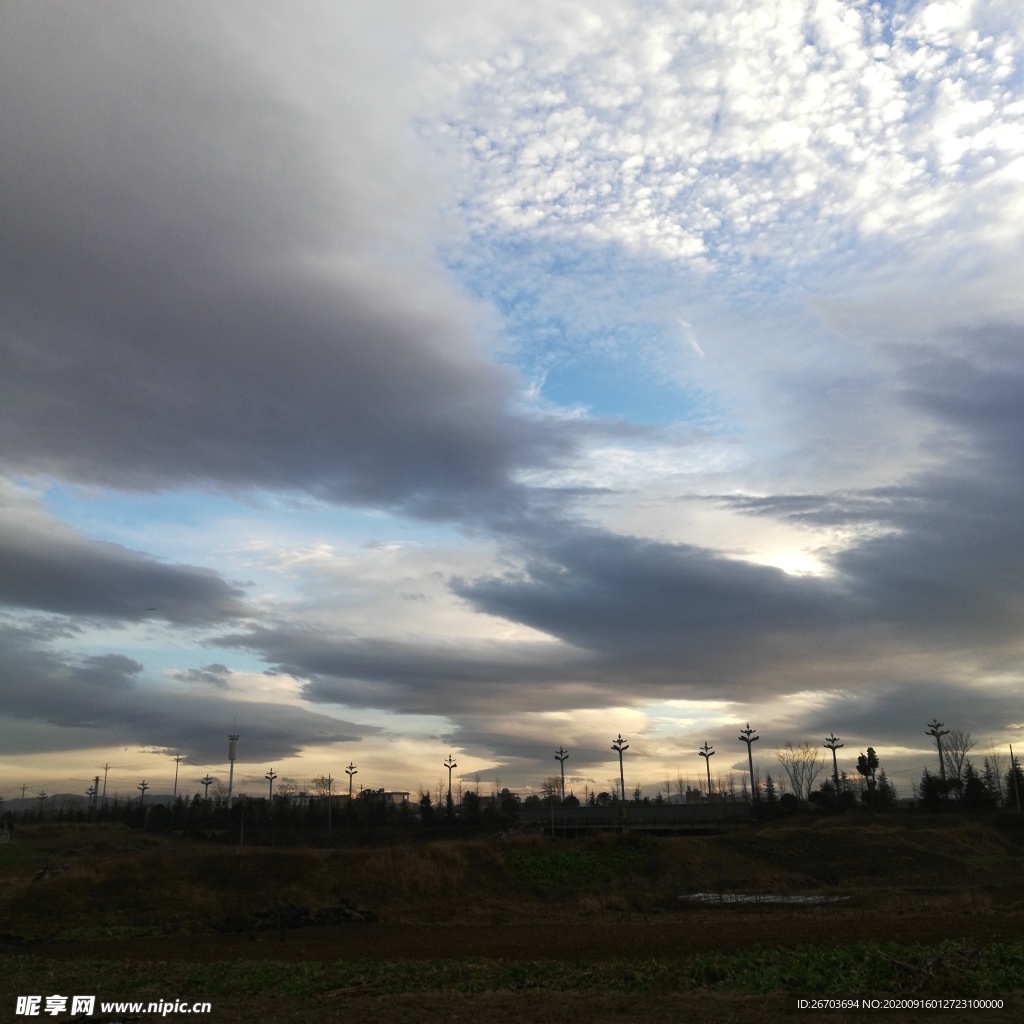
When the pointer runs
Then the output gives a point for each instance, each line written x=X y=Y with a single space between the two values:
x=121 y=882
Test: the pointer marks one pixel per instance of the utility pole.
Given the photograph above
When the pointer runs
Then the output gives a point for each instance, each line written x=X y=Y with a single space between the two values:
x=270 y=776
x=232 y=753
x=619 y=745
x=177 y=760
x=206 y=782
x=935 y=729
x=142 y=787
x=707 y=753
x=833 y=744
x=91 y=794
x=95 y=793
x=106 y=768
x=350 y=771
x=745 y=735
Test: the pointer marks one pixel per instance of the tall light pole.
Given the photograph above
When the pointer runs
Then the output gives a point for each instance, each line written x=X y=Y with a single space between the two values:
x=560 y=757
x=205 y=782
x=833 y=744
x=748 y=738
x=232 y=754
x=350 y=771
x=935 y=729
x=142 y=787
x=619 y=745
x=330 y=800
x=42 y=800
x=177 y=761
x=449 y=763
x=106 y=768
x=707 y=753
x=270 y=776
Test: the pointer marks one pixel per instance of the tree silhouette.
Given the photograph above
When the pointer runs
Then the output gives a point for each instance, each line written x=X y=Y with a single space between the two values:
x=867 y=765
x=802 y=765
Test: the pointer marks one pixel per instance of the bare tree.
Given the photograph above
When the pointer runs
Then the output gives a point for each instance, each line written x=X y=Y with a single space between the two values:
x=956 y=745
x=802 y=766
x=551 y=786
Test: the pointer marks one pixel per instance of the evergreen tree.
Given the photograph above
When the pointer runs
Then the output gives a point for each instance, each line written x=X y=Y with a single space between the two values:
x=885 y=792
x=990 y=780
x=1015 y=784
x=426 y=809
x=867 y=765
x=975 y=794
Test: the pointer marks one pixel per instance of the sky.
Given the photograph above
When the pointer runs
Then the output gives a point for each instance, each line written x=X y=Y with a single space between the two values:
x=388 y=382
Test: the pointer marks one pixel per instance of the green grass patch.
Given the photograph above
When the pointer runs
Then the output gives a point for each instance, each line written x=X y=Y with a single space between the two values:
x=860 y=969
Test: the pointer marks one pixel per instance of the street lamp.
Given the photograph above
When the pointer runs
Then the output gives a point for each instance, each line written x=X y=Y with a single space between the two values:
x=560 y=757
x=935 y=729
x=619 y=745
x=833 y=744
x=350 y=771
x=232 y=754
x=745 y=735
x=707 y=753
x=449 y=763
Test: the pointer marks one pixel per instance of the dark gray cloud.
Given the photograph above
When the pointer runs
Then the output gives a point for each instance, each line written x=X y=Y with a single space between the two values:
x=98 y=701
x=422 y=677
x=48 y=566
x=195 y=286
x=216 y=675
x=896 y=713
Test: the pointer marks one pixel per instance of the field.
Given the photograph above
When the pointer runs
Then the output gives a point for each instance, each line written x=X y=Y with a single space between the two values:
x=522 y=929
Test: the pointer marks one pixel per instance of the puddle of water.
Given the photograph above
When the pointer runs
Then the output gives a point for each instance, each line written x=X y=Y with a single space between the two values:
x=760 y=898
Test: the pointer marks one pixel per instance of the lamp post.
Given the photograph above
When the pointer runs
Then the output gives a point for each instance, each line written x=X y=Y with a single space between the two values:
x=449 y=763
x=619 y=745
x=560 y=757
x=745 y=735
x=707 y=753
x=270 y=776
x=232 y=754
x=142 y=787
x=330 y=800
x=833 y=744
x=935 y=729
x=177 y=761
x=350 y=771
x=206 y=782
